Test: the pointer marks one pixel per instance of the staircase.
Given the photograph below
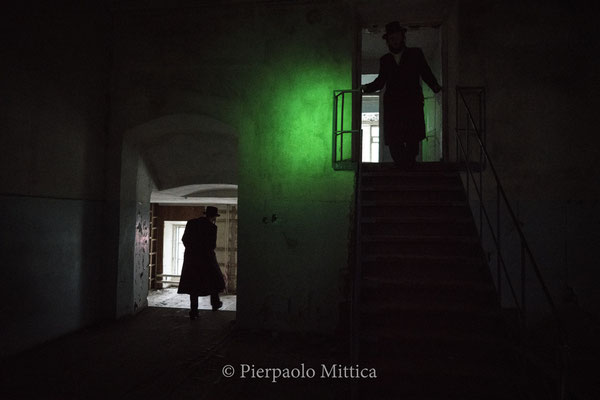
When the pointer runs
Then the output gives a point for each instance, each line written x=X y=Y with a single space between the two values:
x=429 y=319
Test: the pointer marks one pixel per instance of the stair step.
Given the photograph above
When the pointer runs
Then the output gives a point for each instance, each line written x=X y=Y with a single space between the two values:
x=399 y=187
x=408 y=203
x=420 y=259
x=381 y=283
x=451 y=295
x=438 y=245
x=424 y=270
x=438 y=248
x=397 y=172
x=429 y=316
x=369 y=391
x=420 y=166
x=439 y=310
x=387 y=208
x=417 y=220
x=419 y=239
x=476 y=352
x=438 y=366
x=415 y=195
x=419 y=226
x=419 y=321
x=467 y=345
x=424 y=378
x=431 y=271
x=378 y=336
x=417 y=180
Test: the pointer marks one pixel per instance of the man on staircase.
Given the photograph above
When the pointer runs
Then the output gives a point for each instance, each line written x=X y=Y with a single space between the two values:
x=399 y=72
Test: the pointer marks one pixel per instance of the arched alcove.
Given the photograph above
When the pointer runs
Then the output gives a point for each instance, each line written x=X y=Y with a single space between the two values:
x=171 y=151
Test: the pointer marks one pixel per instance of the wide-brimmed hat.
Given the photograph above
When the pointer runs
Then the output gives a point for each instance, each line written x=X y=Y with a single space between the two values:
x=393 y=27
x=212 y=212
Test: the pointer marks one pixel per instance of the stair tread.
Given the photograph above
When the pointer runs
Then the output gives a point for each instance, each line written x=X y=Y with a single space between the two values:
x=437 y=366
x=420 y=238
x=409 y=203
x=433 y=218
x=421 y=257
x=419 y=166
x=411 y=188
x=410 y=173
x=370 y=281
x=374 y=335
x=446 y=309
x=429 y=314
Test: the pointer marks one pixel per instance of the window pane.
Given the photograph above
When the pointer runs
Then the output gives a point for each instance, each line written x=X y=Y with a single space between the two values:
x=366 y=140
x=375 y=152
x=180 y=250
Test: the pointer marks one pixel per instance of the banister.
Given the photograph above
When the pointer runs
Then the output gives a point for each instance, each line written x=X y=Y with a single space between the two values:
x=526 y=253
x=341 y=163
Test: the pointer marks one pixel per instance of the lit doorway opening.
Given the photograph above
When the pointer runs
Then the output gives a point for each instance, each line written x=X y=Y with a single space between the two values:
x=428 y=38
x=169 y=217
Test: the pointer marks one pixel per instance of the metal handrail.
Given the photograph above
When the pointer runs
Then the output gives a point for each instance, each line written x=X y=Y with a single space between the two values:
x=352 y=163
x=356 y=279
x=342 y=164
x=526 y=253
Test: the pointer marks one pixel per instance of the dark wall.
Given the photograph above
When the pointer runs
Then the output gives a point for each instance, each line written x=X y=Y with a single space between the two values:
x=53 y=113
x=539 y=66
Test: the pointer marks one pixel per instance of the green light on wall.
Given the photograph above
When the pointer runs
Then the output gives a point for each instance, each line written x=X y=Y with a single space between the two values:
x=300 y=116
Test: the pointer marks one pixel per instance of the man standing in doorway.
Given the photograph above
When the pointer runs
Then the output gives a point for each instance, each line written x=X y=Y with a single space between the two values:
x=399 y=72
x=201 y=274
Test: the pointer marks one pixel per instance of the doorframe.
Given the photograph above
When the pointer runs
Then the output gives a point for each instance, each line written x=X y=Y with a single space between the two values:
x=359 y=25
x=356 y=82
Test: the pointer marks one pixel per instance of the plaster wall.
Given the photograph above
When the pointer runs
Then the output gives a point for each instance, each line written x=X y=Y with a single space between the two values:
x=53 y=113
x=52 y=277
x=270 y=78
x=134 y=237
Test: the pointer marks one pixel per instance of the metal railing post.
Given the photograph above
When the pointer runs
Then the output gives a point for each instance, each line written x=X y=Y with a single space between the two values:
x=334 y=135
x=523 y=285
x=527 y=257
x=468 y=160
x=342 y=128
x=482 y=196
x=341 y=162
x=457 y=131
x=498 y=241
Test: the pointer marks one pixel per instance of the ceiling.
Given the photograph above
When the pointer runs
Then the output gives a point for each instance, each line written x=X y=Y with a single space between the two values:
x=196 y=195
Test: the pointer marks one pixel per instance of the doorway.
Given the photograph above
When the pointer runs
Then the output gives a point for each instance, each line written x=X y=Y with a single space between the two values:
x=169 y=220
x=429 y=39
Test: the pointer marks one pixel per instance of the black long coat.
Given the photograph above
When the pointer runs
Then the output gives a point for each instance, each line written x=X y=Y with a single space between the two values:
x=403 y=99
x=200 y=274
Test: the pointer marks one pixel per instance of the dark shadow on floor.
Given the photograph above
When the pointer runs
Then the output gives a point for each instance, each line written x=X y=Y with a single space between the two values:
x=160 y=353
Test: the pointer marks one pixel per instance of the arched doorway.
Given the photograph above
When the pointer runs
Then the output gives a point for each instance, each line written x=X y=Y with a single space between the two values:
x=168 y=152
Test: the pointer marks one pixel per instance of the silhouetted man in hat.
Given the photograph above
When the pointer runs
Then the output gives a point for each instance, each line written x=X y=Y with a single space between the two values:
x=201 y=275
x=399 y=72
